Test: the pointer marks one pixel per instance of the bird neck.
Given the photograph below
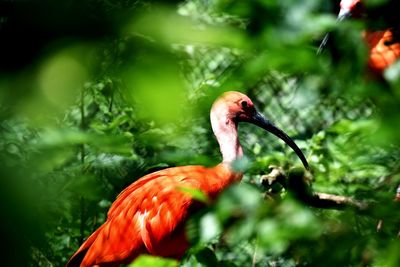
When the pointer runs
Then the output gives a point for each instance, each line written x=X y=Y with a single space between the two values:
x=225 y=130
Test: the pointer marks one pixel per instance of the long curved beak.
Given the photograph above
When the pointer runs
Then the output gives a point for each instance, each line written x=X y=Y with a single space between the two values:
x=343 y=14
x=259 y=120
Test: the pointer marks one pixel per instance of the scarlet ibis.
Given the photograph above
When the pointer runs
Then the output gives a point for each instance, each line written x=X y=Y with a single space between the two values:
x=383 y=44
x=149 y=216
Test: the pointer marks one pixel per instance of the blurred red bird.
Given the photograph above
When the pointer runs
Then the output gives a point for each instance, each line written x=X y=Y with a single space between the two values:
x=383 y=44
x=149 y=216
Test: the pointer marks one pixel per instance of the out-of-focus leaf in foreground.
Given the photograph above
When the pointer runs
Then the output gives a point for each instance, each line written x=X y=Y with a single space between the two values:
x=146 y=260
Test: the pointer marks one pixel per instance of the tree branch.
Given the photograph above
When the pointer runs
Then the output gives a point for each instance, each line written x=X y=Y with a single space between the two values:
x=298 y=184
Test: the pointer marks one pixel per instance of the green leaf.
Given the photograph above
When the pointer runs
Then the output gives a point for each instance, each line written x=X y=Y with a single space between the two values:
x=196 y=194
x=147 y=260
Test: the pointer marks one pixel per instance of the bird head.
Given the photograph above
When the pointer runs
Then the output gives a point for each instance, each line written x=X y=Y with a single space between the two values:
x=350 y=8
x=236 y=107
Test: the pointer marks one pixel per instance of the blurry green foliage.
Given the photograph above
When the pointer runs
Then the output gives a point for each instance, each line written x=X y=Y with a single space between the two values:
x=103 y=92
x=145 y=260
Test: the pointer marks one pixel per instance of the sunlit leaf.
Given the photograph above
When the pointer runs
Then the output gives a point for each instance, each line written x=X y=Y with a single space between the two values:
x=146 y=260
x=195 y=194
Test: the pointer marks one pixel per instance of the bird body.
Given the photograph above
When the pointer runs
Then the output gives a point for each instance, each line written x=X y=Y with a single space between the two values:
x=149 y=216
x=383 y=50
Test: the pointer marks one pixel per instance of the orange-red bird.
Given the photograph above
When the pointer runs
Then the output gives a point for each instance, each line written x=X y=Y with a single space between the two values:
x=149 y=216
x=383 y=45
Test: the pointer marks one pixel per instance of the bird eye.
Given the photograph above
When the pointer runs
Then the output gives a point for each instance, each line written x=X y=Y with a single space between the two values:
x=244 y=104
x=358 y=6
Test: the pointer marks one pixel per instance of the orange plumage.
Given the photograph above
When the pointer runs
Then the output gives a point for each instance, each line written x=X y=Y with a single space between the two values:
x=383 y=50
x=149 y=215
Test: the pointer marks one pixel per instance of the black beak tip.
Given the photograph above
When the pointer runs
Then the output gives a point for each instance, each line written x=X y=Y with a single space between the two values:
x=262 y=122
x=306 y=165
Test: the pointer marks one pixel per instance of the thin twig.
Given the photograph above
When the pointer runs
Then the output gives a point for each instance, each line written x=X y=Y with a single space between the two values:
x=339 y=202
x=254 y=260
x=82 y=154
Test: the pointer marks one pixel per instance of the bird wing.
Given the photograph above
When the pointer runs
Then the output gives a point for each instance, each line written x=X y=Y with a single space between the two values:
x=150 y=213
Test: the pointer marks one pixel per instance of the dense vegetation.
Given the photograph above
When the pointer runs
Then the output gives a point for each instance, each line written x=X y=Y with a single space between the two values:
x=95 y=94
